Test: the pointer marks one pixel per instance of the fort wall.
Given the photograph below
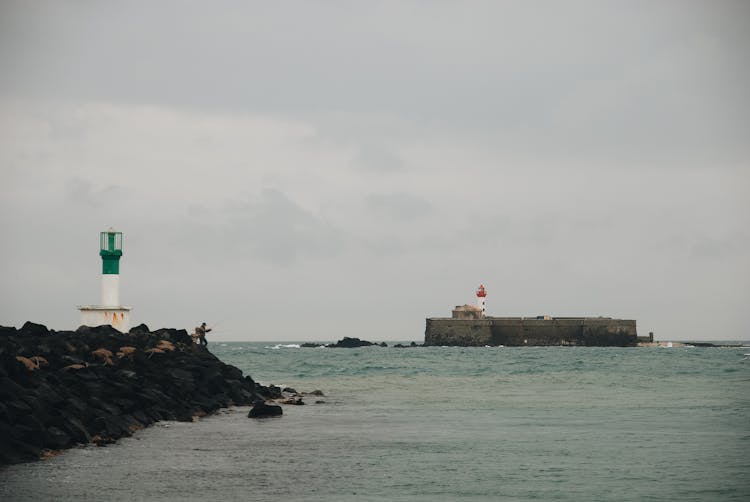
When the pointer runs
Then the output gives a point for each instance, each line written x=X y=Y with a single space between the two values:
x=524 y=331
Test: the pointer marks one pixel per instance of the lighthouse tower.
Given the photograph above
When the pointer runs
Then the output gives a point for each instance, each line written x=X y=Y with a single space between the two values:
x=481 y=295
x=110 y=311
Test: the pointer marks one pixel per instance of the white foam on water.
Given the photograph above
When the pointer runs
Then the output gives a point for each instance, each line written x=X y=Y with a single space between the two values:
x=283 y=346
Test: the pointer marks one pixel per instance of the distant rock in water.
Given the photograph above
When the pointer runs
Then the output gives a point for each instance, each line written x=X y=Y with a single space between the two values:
x=262 y=410
x=96 y=385
x=411 y=345
x=350 y=343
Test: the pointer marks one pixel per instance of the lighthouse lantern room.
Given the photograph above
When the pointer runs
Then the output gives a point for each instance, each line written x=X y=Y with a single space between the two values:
x=110 y=311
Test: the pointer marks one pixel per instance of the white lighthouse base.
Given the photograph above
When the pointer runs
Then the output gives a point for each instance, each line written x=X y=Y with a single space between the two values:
x=98 y=315
x=110 y=289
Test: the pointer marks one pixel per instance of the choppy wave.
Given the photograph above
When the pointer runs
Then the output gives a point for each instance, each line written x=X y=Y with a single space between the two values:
x=282 y=346
x=453 y=423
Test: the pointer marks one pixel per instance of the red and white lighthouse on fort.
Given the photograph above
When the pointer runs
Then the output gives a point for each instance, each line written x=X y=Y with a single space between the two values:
x=481 y=295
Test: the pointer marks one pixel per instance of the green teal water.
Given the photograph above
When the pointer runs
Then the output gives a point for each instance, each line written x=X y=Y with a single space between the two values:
x=419 y=424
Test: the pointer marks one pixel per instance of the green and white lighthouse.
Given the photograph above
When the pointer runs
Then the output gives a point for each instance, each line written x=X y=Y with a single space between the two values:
x=110 y=311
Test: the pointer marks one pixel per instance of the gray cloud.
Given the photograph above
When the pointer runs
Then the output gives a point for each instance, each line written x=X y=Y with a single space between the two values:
x=377 y=158
x=577 y=158
x=669 y=70
x=268 y=228
x=728 y=247
x=80 y=191
x=398 y=205
x=276 y=229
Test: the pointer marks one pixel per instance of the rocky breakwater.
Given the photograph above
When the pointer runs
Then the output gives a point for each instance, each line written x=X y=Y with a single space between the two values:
x=59 y=389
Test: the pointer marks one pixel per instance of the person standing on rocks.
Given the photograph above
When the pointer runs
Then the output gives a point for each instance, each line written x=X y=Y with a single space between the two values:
x=201 y=332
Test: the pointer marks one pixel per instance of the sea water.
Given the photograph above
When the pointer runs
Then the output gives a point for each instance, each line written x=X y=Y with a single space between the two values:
x=440 y=423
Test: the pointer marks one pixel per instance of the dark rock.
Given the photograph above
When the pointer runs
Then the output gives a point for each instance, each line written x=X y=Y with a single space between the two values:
x=19 y=451
x=114 y=426
x=297 y=401
x=56 y=439
x=243 y=396
x=262 y=410
x=231 y=373
x=4 y=414
x=289 y=390
x=32 y=329
x=68 y=360
x=316 y=392
x=271 y=392
x=29 y=431
x=105 y=407
x=141 y=329
x=17 y=408
x=62 y=388
x=182 y=377
x=100 y=440
x=76 y=406
x=75 y=429
x=8 y=331
x=311 y=345
x=174 y=335
x=411 y=345
x=128 y=374
x=142 y=417
x=10 y=389
x=102 y=330
x=350 y=343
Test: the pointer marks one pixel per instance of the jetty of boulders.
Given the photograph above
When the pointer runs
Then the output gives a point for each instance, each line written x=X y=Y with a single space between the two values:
x=96 y=384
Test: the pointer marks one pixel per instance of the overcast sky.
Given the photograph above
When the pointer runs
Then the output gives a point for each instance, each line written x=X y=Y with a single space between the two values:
x=314 y=170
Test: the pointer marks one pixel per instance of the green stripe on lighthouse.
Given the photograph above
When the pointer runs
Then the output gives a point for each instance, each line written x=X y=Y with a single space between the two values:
x=110 y=264
x=110 y=251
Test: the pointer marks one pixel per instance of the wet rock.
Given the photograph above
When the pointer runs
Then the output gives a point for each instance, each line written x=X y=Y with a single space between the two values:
x=100 y=440
x=19 y=451
x=411 y=345
x=311 y=345
x=56 y=439
x=272 y=391
x=296 y=401
x=97 y=385
x=75 y=429
x=263 y=410
x=349 y=343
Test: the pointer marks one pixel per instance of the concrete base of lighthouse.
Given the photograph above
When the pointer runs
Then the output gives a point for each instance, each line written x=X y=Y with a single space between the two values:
x=98 y=315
